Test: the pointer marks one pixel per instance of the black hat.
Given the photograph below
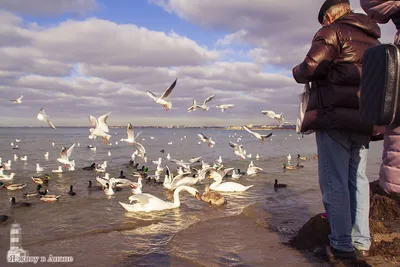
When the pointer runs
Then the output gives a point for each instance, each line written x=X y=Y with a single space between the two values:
x=327 y=5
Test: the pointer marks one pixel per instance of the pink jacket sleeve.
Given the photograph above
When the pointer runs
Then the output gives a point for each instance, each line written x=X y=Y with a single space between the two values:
x=380 y=10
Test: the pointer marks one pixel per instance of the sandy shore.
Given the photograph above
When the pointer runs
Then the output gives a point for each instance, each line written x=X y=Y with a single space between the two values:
x=249 y=243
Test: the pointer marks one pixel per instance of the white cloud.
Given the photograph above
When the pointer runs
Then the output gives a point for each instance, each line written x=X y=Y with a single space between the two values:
x=46 y=7
x=92 y=66
x=279 y=31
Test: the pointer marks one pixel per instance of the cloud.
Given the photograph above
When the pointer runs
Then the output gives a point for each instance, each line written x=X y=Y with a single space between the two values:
x=46 y=7
x=74 y=68
x=279 y=31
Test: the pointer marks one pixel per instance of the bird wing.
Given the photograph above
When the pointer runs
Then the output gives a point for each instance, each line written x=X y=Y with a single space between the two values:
x=143 y=199
x=129 y=131
x=46 y=118
x=102 y=122
x=69 y=151
x=194 y=160
x=63 y=153
x=208 y=99
x=269 y=113
x=202 y=136
x=266 y=135
x=20 y=98
x=153 y=96
x=93 y=121
x=169 y=89
x=141 y=149
x=248 y=130
x=49 y=122
x=233 y=145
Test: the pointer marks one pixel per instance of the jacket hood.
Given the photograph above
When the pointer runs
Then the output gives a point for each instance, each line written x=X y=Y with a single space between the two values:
x=362 y=22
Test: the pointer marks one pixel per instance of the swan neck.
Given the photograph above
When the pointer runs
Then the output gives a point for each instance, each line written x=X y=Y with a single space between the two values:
x=177 y=200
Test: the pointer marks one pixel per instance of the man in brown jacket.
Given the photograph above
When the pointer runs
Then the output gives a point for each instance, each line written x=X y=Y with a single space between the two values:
x=333 y=67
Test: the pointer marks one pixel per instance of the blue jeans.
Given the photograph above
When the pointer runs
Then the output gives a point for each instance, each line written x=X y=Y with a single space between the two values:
x=342 y=160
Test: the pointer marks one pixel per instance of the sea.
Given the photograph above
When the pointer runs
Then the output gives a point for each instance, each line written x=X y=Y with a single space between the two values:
x=92 y=229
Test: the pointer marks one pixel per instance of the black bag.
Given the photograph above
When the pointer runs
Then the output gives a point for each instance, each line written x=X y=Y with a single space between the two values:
x=380 y=85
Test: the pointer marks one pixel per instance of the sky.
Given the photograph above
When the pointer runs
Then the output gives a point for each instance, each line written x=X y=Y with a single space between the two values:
x=76 y=58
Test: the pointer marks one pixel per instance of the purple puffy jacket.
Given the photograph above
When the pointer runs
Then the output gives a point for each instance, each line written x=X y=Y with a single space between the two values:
x=389 y=176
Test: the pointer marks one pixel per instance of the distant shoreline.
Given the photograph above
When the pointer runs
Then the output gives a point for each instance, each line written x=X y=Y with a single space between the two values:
x=232 y=128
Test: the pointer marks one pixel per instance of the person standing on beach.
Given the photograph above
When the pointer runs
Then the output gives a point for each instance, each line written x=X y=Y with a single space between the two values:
x=389 y=176
x=333 y=67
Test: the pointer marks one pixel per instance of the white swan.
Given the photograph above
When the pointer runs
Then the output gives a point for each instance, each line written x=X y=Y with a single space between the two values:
x=24 y=158
x=227 y=186
x=148 y=203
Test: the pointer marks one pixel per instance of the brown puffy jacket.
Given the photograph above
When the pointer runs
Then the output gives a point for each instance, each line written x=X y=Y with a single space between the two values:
x=333 y=66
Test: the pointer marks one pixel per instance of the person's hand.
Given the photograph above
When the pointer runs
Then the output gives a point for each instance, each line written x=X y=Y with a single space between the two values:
x=378 y=130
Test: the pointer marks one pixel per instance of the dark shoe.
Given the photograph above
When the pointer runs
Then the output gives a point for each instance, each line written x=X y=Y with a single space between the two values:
x=321 y=251
x=343 y=255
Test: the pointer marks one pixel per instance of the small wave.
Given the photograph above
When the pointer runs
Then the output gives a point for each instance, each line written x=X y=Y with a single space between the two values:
x=124 y=227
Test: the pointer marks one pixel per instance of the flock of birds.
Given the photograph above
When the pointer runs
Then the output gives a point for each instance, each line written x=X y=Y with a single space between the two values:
x=188 y=175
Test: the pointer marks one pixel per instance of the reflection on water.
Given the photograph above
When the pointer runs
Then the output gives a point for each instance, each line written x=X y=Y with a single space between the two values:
x=94 y=228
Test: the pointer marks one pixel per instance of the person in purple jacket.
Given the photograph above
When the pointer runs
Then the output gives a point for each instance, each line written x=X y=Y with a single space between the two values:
x=382 y=11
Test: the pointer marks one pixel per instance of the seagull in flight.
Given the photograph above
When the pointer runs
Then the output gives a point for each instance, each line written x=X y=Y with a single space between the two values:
x=192 y=107
x=162 y=100
x=238 y=150
x=100 y=127
x=205 y=139
x=18 y=100
x=131 y=137
x=257 y=135
x=65 y=154
x=225 y=107
x=42 y=116
x=205 y=106
x=273 y=115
